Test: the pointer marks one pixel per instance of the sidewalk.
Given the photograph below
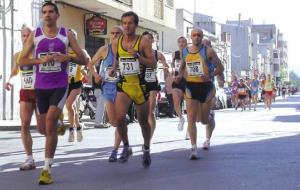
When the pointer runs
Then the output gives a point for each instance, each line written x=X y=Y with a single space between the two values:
x=14 y=125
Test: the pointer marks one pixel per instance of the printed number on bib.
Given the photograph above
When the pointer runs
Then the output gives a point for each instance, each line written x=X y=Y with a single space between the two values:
x=27 y=79
x=108 y=78
x=129 y=66
x=177 y=65
x=50 y=67
x=150 y=75
x=72 y=69
x=194 y=69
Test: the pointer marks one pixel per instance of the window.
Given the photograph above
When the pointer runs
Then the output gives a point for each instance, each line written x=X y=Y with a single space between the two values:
x=158 y=9
x=36 y=12
x=170 y=3
x=126 y=2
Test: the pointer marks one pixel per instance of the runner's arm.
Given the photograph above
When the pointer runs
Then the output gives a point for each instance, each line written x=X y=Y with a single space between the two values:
x=82 y=58
x=147 y=57
x=96 y=58
x=27 y=50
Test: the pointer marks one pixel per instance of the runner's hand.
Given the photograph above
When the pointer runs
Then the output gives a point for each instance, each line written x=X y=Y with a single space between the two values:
x=46 y=59
x=98 y=79
x=7 y=86
x=59 y=57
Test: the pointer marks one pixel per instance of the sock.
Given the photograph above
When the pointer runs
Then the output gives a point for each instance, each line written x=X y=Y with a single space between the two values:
x=48 y=162
x=126 y=144
x=71 y=129
x=78 y=128
x=194 y=146
x=146 y=147
x=30 y=158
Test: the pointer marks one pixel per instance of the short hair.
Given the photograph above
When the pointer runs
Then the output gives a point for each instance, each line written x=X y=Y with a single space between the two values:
x=49 y=3
x=147 y=33
x=133 y=14
x=182 y=37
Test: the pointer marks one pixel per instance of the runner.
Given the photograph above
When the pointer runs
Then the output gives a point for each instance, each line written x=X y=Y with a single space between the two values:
x=234 y=92
x=179 y=83
x=200 y=64
x=242 y=94
x=268 y=86
x=283 y=91
x=76 y=75
x=27 y=101
x=108 y=84
x=133 y=55
x=49 y=44
x=254 y=90
x=152 y=82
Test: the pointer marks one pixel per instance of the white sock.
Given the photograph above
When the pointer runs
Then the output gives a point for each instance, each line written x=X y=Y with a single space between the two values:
x=48 y=162
x=30 y=158
x=194 y=146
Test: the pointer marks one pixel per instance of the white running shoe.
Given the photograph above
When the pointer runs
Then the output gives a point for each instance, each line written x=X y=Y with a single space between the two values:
x=206 y=145
x=181 y=123
x=194 y=154
x=71 y=136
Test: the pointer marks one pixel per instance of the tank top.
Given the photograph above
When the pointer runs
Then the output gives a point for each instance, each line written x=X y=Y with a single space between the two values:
x=53 y=74
x=197 y=65
x=106 y=66
x=268 y=85
x=74 y=70
x=150 y=74
x=131 y=71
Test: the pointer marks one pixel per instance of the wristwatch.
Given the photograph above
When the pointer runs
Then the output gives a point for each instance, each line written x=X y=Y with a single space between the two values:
x=137 y=55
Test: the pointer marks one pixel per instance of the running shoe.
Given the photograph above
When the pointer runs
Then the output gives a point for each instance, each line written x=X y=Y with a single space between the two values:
x=181 y=123
x=113 y=157
x=146 y=159
x=79 y=133
x=71 y=135
x=194 y=154
x=206 y=145
x=27 y=165
x=126 y=153
x=45 y=178
x=61 y=128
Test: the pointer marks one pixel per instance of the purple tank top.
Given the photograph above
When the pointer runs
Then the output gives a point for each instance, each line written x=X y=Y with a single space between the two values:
x=53 y=74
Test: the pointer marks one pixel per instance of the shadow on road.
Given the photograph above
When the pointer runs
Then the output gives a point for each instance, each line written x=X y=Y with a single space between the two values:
x=268 y=164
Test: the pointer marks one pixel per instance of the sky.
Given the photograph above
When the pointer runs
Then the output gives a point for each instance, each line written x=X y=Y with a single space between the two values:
x=284 y=14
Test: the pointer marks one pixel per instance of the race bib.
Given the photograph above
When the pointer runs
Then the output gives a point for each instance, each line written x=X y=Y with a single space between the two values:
x=27 y=79
x=108 y=78
x=194 y=68
x=150 y=75
x=72 y=69
x=177 y=65
x=129 y=66
x=242 y=90
x=50 y=67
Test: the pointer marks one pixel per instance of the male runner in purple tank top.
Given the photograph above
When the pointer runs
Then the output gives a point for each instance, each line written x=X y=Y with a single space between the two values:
x=49 y=45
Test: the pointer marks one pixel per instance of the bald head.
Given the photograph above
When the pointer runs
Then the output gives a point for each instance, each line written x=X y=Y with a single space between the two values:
x=197 y=36
x=115 y=32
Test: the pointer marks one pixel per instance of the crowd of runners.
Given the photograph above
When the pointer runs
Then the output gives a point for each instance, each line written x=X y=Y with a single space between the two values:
x=52 y=67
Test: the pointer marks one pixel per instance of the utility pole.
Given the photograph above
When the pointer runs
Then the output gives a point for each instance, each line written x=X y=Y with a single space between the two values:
x=12 y=55
x=4 y=60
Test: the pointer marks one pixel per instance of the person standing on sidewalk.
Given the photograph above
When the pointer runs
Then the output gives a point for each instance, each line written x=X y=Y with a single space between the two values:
x=133 y=54
x=49 y=44
x=27 y=100
x=200 y=64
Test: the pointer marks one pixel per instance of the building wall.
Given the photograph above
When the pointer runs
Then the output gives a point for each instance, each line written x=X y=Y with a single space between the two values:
x=240 y=53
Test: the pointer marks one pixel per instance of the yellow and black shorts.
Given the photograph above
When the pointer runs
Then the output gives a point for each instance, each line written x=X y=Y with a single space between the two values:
x=137 y=92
